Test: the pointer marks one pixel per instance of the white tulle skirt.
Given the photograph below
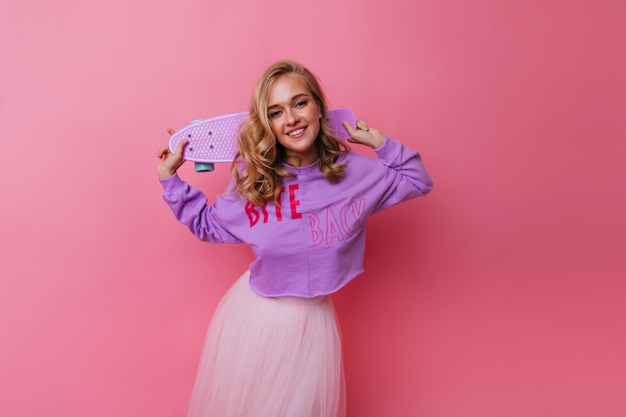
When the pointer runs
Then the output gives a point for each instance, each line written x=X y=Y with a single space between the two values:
x=270 y=357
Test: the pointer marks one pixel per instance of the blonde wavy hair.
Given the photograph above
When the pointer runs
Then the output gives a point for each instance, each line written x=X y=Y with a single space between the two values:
x=258 y=166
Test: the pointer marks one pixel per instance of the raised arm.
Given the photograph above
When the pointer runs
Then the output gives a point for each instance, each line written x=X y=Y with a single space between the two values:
x=405 y=176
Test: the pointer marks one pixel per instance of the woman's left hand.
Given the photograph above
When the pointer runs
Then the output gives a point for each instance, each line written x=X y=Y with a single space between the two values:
x=365 y=135
x=170 y=162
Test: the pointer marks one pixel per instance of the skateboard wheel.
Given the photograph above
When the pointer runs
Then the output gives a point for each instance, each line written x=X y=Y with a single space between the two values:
x=203 y=167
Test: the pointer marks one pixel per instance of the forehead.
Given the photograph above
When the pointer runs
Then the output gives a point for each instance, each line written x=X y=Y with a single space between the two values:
x=285 y=88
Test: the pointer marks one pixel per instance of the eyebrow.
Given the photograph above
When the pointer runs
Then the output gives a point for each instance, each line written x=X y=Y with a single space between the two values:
x=297 y=96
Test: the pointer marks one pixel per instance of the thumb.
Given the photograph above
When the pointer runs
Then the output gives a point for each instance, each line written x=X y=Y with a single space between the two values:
x=348 y=128
x=181 y=147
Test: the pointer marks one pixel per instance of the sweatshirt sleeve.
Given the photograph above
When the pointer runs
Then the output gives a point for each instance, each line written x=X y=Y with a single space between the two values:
x=405 y=174
x=189 y=206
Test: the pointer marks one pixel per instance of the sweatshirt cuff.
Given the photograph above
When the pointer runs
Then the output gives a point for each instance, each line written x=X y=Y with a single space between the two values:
x=386 y=150
x=169 y=184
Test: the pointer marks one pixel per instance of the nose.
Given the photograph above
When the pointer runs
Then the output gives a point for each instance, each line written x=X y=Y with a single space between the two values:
x=291 y=117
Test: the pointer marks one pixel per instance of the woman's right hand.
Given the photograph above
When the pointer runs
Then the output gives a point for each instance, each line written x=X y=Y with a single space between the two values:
x=170 y=162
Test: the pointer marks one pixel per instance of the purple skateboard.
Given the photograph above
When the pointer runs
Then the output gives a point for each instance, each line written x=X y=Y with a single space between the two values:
x=215 y=139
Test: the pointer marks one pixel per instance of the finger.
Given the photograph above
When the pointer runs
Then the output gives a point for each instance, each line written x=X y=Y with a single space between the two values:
x=181 y=147
x=170 y=131
x=163 y=151
x=360 y=124
x=348 y=128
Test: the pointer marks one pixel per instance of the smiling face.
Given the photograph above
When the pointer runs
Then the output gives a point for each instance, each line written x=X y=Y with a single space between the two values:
x=294 y=117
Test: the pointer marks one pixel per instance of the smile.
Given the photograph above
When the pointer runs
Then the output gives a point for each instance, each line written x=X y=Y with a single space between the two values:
x=297 y=132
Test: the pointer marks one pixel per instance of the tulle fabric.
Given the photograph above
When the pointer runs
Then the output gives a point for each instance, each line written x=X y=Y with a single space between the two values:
x=270 y=357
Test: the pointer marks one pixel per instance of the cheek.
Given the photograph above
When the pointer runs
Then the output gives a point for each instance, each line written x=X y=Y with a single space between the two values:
x=316 y=126
x=274 y=125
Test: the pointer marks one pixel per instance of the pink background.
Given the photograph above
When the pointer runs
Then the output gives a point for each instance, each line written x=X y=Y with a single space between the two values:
x=500 y=294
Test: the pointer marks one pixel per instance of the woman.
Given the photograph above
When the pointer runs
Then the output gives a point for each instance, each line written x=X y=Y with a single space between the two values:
x=300 y=197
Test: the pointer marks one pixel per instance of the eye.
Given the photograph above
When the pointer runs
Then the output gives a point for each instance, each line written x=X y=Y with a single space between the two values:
x=301 y=103
x=274 y=114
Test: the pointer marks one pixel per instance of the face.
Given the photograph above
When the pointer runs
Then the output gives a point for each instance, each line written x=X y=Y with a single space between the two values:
x=295 y=119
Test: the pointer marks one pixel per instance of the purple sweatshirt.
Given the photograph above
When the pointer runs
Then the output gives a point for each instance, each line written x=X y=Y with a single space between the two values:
x=313 y=244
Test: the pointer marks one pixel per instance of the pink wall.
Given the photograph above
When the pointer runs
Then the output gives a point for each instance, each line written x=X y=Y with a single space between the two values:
x=505 y=287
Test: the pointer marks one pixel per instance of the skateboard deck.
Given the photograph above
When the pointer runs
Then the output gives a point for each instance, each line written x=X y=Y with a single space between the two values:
x=215 y=139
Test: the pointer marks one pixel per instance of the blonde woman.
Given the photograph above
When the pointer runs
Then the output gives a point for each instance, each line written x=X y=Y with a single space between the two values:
x=300 y=197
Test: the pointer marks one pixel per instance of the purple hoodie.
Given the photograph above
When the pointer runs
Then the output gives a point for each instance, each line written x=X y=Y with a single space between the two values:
x=313 y=244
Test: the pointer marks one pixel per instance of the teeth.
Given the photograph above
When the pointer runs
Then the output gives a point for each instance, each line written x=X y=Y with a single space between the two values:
x=296 y=132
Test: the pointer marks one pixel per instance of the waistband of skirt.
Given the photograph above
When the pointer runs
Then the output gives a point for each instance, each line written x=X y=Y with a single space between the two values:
x=302 y=300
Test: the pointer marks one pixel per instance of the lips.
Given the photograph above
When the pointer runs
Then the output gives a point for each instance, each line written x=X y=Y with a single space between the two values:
x=296 y=132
